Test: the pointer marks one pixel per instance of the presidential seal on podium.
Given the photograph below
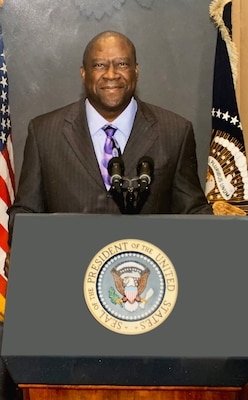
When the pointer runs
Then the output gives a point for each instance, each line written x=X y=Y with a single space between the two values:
x=130 y=286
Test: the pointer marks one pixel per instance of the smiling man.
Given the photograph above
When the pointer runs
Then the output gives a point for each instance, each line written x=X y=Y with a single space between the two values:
x=67 y=150
x=110 y=73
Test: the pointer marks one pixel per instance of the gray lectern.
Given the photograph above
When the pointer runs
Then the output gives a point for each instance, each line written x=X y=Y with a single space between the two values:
x=61 y=334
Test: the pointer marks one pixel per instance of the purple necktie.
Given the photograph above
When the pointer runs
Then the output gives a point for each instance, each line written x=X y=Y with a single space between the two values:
x=111 y=149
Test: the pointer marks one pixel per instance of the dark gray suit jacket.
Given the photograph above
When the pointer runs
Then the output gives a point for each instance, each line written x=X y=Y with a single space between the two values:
x=60 y=172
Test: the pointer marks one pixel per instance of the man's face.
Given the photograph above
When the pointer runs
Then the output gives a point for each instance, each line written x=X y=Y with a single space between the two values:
x=110 y=76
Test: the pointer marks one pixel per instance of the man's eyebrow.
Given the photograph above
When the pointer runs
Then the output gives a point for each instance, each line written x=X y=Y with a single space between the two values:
x=112 y=58
x=98 y=59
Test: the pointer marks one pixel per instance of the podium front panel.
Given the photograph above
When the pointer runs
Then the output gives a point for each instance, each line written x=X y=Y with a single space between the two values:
x=50 y=336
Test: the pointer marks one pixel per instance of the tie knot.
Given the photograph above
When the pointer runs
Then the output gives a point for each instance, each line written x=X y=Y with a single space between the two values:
x=110 y=131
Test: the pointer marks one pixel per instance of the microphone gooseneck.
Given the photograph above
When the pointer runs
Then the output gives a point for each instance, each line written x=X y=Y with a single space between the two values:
x=116 y=171
x=145 y=168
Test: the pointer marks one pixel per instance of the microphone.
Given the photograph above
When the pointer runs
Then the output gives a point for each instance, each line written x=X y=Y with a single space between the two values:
x=116 y=171
x=145 y=169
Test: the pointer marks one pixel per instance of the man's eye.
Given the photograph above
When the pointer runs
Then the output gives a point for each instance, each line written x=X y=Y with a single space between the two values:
x=123 y=64
x=98 y=66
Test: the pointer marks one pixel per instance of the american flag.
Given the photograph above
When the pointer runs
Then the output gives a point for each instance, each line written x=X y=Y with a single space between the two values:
x=7 y=179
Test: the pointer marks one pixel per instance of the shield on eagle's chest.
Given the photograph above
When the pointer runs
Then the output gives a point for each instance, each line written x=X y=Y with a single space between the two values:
x=131 y=293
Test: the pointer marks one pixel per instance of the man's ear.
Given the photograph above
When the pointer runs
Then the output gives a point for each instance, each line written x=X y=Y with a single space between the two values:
x=137 y=71
x=82 y=70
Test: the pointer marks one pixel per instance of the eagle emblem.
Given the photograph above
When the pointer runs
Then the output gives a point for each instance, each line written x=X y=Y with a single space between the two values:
x=130 y=280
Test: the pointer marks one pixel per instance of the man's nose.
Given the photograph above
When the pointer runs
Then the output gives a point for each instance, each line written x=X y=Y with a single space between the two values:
x=111 y=72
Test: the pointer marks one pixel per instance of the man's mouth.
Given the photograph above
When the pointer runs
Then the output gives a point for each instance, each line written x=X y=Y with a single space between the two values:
x=112 y=87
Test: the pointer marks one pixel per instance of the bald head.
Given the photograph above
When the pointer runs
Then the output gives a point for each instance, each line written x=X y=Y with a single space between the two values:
x=109 y=73
x=105 y=35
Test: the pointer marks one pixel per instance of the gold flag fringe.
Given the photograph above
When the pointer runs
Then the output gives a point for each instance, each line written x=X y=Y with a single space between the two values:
x=216 y=9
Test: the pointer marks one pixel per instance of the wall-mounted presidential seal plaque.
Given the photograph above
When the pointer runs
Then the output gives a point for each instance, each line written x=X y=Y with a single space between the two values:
x=130 y=286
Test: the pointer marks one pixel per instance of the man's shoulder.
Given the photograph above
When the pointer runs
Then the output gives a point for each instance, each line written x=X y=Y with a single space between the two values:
x=162 y=113
x=69 y=110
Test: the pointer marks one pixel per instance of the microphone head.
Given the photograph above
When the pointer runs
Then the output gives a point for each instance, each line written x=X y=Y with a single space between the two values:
x=116 y=166
x=145 y=166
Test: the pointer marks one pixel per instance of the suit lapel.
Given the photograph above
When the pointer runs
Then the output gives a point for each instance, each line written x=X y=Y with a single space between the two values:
x=141 y=139
x=77 y=134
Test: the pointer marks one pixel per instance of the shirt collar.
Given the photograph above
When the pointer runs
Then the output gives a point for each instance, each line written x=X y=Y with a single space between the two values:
x=123 y=122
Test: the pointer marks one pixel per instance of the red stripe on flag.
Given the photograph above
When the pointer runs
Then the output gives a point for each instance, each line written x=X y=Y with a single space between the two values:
x=3 y=285
x=4 y=239
x=4 y=192
x=5 y=154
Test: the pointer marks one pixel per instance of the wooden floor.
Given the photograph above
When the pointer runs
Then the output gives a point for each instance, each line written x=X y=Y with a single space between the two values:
x=43 y=392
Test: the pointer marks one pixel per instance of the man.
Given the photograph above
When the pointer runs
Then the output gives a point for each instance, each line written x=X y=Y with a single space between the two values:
x=62 y=169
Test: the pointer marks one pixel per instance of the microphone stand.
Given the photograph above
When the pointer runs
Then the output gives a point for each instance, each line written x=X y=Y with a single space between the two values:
x=130 y=194
x=118 y=195
x=143 y=192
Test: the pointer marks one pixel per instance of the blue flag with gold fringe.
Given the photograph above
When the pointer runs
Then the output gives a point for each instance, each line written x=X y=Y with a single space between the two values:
x=227 y=175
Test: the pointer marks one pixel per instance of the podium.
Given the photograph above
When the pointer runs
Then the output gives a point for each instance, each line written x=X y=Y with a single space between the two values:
x=56 y=348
